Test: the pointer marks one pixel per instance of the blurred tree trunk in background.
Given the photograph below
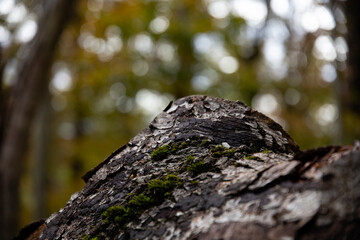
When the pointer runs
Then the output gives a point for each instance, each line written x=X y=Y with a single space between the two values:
x=2 y=104
x=41 y=142
x=29 y=87
x=351 y=90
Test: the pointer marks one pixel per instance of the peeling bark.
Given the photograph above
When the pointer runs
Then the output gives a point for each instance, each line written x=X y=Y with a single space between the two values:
x=226 y=172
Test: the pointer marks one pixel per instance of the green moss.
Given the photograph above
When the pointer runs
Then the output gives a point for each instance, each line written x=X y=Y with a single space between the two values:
x=140 y=202
x=182 y=145
x=118 y=214
x=199 y=167
x=219 y=151
x=250 y=157
x=194 y=182
x=205 y=143
x=173 y=148
x=189 y=159
x=173 y=178
x=266 y=151
x=217 y=154
x=164 y=151
x=160 y=188
x=89 y=238
x=231 y=152
x=161 y=153
x=157 y=190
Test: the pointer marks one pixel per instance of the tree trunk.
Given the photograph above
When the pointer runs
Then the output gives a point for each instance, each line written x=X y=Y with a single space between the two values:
x=351 y=84
x=352 y=8
x=208 y=168
x=31 y=83
x=41 y=139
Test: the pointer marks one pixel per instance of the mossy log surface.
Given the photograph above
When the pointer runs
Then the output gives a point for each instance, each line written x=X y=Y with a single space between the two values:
x=208 y=168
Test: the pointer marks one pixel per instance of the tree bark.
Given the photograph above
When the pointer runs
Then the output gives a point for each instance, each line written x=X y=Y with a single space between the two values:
x=31 y=83
x=208 y=168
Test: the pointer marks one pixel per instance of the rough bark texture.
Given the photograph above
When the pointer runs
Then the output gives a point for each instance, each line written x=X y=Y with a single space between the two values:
x=30 y=84
x=208 y=168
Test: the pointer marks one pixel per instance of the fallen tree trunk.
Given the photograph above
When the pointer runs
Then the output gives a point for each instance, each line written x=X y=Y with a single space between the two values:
x=208 y=168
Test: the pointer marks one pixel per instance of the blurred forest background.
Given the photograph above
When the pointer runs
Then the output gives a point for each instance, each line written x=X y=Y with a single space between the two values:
x=118 y=63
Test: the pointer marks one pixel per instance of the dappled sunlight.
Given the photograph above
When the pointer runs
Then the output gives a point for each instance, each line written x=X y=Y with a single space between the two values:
x=104 y=48
x=328 y=73
x=253 y=11
x=232 y=30
x=159 y=24
x=281 y=8
x=151 y=102
x=6 y=6
x=228 y=65
x=26 y=31
x=341 y=49
x=326 y=114
x=62 y=81
x=142 y=43
x=317 y=17
x=324 y=48
x=218 y=9
x=323 y=117
x=16 y=14
x=5 y=36
x=140 y=67
x=205 y=79
x=266 y=103
x=292 y=96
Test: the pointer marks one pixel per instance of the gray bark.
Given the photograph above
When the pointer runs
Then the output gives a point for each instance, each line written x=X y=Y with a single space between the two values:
x=30 y=84
x=208 y=168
